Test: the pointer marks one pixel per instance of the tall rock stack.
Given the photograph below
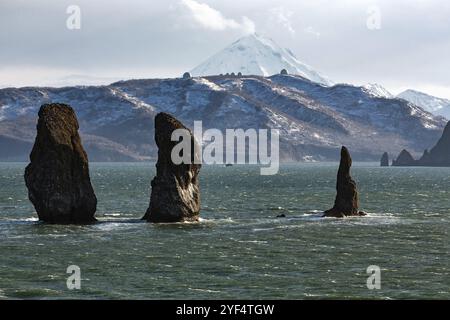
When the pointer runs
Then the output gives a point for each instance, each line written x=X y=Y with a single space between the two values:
x=384 y=162
x=57 y=177
x=346 y=203
x=175 y=195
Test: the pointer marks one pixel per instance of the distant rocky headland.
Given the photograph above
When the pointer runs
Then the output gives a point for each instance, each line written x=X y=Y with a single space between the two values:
x=438 y=156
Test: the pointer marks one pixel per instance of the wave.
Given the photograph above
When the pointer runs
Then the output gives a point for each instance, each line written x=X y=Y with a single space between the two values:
x=35 y=293
x=9 y=221
x=111 y=214
x=204 y=290
x=253 y=241
x=216 y=220
x=115 y=221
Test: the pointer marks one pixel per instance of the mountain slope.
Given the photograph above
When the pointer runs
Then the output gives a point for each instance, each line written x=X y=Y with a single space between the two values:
x=116 y=121
x=256 y=55
x=377 y=90
x=437 y=106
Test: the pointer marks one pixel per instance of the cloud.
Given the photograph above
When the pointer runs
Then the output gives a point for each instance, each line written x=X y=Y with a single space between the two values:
x=212 y=19
x=312 y=31
x=283 y=17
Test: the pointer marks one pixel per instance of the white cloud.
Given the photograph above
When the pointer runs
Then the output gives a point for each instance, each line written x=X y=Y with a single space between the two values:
x=212 y=19
x=312 y=31
x=283 y=17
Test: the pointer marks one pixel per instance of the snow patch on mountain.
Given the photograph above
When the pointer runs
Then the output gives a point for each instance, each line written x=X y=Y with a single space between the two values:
x=377 y=90
x=203 y=83
x=435 y=105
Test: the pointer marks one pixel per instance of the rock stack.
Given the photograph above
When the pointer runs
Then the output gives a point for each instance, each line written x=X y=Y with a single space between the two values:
x=57 y=178
x=404 y=159
x=346 y=203
x=384 y=162
x=175 y=195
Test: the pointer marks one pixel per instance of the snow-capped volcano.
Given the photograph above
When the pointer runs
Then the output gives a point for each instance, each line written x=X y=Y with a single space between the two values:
x=256 y=55
x=437 y=106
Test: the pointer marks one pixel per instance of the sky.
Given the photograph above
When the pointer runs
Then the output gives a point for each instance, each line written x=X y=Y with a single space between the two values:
x=399 y=44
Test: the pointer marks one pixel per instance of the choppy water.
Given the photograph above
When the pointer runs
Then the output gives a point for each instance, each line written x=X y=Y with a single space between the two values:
x=238 y=250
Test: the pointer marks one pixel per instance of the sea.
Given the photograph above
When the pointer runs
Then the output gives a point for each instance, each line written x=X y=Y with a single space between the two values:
x=241 y=248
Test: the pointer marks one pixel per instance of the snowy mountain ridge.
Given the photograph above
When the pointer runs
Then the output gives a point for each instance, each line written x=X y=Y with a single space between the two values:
x=116 y=121
x=435 y=105
x=378 y=90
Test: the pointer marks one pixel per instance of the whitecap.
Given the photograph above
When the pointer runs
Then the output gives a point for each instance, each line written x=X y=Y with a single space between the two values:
x=2 y=294
x=262 y=229
x=22 y=220
x=276 y=208
x=204 y=290
x=253 y=241
x=110 y=226
x=32 y=219
x=213 y=220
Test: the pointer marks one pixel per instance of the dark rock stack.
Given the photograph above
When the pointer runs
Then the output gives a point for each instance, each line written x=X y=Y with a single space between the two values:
x=346 y=203
x=384 y=162
x=58 y=176
x=404 y=159
x=175 y=195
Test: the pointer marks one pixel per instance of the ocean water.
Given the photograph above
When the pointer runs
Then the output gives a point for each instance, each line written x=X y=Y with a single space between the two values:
x=239 y=249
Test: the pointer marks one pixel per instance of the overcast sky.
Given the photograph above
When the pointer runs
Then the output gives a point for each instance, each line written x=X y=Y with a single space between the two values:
x=399 y=44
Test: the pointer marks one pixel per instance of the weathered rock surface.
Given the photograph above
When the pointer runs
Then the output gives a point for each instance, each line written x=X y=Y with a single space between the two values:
x=404 y=159
x=384 y=162
x=347 y=202
x=175 y=195
x=57 y=177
